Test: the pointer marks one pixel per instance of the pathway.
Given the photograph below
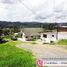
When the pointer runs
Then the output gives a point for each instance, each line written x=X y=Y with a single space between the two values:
x=45 y=51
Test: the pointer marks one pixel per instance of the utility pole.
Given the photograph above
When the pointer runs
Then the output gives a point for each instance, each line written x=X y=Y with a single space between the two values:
x=57 y=31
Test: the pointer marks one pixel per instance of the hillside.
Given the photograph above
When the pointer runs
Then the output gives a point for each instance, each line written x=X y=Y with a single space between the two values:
x=4 y=24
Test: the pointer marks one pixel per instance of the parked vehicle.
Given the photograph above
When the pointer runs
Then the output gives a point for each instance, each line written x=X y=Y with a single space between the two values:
x=14 y=38
x=2 y=41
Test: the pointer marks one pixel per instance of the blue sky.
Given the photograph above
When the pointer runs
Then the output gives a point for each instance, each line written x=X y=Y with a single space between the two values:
x=33 y=10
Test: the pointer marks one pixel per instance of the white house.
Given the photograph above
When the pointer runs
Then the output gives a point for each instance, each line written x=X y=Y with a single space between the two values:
x=57 y=34
x=49 y=36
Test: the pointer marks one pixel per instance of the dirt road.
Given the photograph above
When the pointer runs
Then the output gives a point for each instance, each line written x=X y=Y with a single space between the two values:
x=45 y=51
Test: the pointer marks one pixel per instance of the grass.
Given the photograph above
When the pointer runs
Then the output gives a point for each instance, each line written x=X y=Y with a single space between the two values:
x=19 y=42
x=62 y=42
x=29 y=42
x=11 y=56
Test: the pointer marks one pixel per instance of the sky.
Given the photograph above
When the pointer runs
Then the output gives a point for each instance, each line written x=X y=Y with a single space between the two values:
x=33 y=10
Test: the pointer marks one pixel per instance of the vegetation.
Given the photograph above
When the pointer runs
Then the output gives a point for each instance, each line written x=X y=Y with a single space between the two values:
x=45 y=66
x=62 y=42
x=30 y=42
x=16 y=25
x=33 y=42
x=11 y=56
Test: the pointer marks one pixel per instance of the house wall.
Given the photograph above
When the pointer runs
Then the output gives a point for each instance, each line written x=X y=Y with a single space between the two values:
x=59 y=35
x=49 y=34
x=62 y=35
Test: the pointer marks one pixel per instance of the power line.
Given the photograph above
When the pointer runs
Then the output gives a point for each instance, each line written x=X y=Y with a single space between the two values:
x=33 y=12
x=28 y=8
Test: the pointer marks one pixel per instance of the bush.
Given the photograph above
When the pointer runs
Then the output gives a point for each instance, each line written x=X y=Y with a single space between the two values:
x=62 y=42
x=33 y=38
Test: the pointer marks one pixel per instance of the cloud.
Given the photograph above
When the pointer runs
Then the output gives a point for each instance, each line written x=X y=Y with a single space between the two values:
x=10 y=1
x=7 y=1
x=2 y=12
x=33 y=10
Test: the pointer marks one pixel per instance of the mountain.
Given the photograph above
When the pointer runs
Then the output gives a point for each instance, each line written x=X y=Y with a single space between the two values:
x=5 y=24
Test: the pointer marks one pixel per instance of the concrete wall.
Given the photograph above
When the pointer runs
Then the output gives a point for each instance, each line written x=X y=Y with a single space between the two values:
x=49 y=34
x=62 y=35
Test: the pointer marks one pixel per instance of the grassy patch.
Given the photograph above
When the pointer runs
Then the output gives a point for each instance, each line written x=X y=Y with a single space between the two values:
x=29 y=42
x=33 y=42
x=11 y=56
x=19 y=42
x=13 y=43
x=45 y=66
x=62 y=42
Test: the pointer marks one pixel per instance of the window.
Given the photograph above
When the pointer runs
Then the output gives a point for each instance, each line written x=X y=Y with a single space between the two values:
x=44 y=35
x=52 y=35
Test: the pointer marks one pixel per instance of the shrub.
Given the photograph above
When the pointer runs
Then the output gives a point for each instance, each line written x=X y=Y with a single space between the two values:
x=62 y=42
